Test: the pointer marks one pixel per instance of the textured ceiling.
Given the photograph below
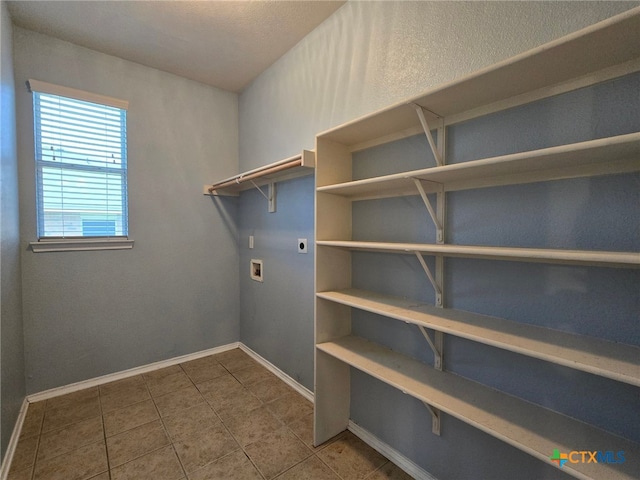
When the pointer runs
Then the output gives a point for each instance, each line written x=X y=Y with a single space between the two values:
x=221 y=43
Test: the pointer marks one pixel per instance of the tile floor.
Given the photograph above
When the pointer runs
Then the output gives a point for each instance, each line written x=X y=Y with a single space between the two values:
x=219 y=417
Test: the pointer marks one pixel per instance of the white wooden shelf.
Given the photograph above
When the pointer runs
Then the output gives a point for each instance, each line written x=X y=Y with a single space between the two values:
x=528 y=427
x=544 y=255
x=293 y=167
x=600 y=357
x=605 y=156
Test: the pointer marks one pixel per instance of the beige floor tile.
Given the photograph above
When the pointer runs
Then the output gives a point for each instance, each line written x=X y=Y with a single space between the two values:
x=253 y=374
x=235 y=359
x=351 y=458
x=290 y=408
x=173 y=402
x=235 y=466
x=191 y=421
x=136 y=442
x=102 y=476
x=129 y=417
x=276 y=452
x=58 y=442
x=220 y=386
x=252 y=426
x=32 y=424
x=203 y=369
x=124 y=384
x=24 y=474
x=312 y=468
x=162 y=464
x=236 y=403
x=25 y=454
x=168 y=383
x=389 y=471
x=72 y=399
x=80 y=464
x=162 y=372
x=196 y=451
x=124 y=396
x=269 y=389
x=303 y=429
x=63 y=416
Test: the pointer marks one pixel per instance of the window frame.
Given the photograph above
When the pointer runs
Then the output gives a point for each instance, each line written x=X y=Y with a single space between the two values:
x=80 y=242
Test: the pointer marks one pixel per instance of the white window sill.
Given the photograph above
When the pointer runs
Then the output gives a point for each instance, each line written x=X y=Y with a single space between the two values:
x=80 y=244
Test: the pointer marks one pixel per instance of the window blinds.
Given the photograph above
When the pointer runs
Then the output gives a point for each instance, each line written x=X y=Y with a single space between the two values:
x=81 y=166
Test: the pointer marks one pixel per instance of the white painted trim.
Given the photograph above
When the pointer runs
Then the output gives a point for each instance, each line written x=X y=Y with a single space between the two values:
x=301 y=389
x=112 y=377
x=52 y=89
x=13 y=441
x=74 y=245
x=392 y=454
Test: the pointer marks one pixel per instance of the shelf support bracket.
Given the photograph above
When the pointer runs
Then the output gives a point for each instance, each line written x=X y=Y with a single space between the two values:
x=271 y=197
x=435 y=418
x=436 y=345
x=435 y=284
x=432 y=212
x=427 y=131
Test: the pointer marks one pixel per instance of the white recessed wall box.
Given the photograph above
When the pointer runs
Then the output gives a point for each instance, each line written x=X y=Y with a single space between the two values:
x=257 y=271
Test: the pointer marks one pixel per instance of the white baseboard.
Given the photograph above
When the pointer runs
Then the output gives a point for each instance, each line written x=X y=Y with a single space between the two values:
x=392 y=454
x=13 y=441
x=396 y=457
x=112 y=377
x=301 y=389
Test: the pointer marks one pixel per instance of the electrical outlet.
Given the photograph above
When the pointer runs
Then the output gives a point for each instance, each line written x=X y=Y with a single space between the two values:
x=302 y=245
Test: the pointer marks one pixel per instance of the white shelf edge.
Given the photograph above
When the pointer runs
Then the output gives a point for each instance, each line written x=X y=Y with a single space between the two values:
x=611 y=155
x=528 y=427
x=307 y=167
x=609 y=359
x=537 y=255
x=81 y=244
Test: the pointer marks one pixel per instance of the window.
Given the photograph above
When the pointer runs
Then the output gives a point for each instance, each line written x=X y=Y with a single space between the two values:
x=81 y=163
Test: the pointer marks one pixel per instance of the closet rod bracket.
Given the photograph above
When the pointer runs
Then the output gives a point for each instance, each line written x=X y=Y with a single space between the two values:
x=271 y=197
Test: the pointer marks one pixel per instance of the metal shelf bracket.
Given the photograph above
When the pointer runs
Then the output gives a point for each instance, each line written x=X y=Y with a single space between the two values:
x=435 y=418
x=271 y=197
x=427 y=131
x=427 y=203
x=436 y=345
x=436 y=285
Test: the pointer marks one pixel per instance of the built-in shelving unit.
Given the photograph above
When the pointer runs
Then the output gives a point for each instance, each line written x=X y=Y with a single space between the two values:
x=602 y=52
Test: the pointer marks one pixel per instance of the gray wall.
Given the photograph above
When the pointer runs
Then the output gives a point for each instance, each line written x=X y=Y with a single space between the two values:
x=371 y=54
x=12 y=384
x=92 y=313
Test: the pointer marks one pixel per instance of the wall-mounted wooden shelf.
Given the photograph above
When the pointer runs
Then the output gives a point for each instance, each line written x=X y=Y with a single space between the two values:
x=293 y=167
x=604 y=156
x=608 y=359
x=528 y=427
x=545 y=255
